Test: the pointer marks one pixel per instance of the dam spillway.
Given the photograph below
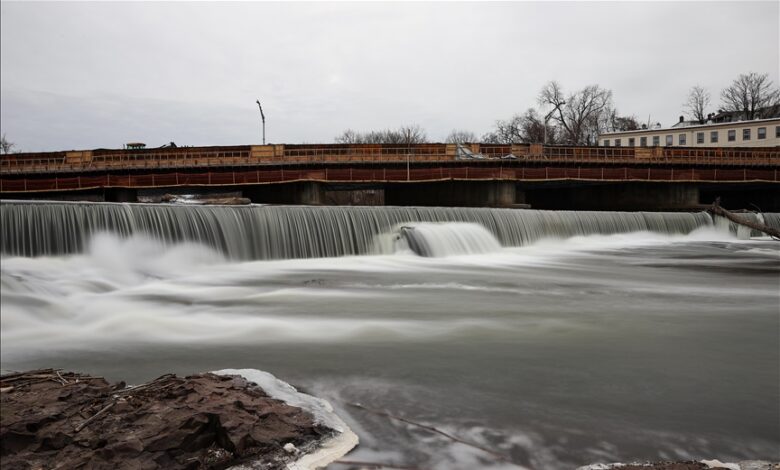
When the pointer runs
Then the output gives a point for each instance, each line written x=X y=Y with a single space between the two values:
x=284 y=232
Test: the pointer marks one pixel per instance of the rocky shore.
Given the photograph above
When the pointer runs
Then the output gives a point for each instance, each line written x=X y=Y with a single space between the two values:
x=55 y=419
x=240 y=419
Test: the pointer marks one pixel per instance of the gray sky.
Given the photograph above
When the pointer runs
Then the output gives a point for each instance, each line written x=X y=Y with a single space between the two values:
x=88 y=75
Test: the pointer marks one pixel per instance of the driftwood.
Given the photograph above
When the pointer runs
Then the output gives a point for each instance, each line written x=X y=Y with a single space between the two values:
x=159 y=382
x=718 y=210
x=16 y=380
x=95 y=416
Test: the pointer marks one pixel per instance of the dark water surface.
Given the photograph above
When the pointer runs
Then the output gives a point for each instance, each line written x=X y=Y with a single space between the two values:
x=564 y=352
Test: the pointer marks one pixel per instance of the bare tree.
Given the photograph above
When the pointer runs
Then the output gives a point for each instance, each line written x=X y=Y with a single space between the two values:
x=5 y=145
x=697 y=103
x=505 y=132
x=752 y=94
x=527 y=128
x=532 y=129
x=581 y=116
x=404 y=135
x=349 y=137
x=623 y=123
x=413 y=134
x=458 y=136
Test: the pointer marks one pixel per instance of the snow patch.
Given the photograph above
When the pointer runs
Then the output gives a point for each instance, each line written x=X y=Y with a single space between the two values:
x=715 y=463
x=327 y=451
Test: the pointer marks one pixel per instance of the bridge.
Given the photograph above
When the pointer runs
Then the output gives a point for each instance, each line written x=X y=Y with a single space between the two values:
x=424 y=174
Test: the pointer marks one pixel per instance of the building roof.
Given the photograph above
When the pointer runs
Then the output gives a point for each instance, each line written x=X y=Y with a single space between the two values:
x=694 y=127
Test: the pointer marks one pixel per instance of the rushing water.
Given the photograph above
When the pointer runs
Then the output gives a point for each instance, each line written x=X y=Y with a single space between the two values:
x=554 y=338
x=284 y=232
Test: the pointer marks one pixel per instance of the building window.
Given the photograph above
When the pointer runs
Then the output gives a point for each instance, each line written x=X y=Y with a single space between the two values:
x=606 y=143
x=732 y=135
x=681 y=140
x=617 y=142
x=777 y=132
x=643 y=140
x=761 y=133
x=713 y=137
x=745 y=134
x=700 y=137
x=631 y=141
x=656 y=140
x=669 y=140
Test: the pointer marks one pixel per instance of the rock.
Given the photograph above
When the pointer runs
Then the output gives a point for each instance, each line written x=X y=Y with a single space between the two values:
x=200 y=421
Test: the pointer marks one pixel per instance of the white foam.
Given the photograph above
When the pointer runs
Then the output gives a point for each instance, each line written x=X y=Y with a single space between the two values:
x=437 y=239
x=715 y=463
x=331 y=449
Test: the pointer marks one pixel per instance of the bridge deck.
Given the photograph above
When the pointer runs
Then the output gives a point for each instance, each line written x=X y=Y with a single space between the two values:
x=247 y=165
x=230 y=177
x=198 y=157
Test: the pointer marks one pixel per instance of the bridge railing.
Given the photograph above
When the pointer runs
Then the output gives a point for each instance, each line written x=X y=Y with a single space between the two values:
x=364 y=153
x=189 y=158
x=199 y=157
x=379 y=174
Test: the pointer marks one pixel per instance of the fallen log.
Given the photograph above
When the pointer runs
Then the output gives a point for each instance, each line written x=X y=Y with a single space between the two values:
x=718 y=210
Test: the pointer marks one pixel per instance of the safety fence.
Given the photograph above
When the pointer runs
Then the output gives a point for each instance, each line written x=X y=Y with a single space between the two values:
x=361 y=174
x=274 y=155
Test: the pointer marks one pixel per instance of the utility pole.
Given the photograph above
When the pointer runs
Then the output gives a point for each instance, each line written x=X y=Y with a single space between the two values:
x=262 y=116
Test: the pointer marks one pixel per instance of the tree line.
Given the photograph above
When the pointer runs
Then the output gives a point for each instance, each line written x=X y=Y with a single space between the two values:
x=578 y=117
x=5 y=145
x=750 y=96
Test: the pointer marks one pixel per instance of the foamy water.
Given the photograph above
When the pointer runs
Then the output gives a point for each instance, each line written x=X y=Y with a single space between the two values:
x=566 y=351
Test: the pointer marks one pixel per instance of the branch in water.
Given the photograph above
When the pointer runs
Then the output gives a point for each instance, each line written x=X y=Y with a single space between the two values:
x=718 y=210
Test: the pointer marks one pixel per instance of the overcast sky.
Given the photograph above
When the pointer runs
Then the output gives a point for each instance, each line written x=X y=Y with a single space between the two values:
x=89 y=75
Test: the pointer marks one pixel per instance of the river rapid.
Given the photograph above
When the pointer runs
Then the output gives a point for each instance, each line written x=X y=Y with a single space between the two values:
x=567 y=347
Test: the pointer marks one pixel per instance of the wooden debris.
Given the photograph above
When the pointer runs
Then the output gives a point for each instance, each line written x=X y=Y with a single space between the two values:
x=718 y=210
x=62 y=380
x=95 y=416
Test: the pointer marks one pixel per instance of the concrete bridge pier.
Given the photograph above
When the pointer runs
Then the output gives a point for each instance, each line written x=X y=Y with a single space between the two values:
x=454 y=193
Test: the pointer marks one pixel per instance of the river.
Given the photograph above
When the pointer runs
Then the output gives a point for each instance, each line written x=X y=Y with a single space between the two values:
x=556 y=339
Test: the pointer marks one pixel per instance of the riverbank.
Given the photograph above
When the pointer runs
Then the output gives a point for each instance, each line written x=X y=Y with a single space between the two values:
x=209 y=420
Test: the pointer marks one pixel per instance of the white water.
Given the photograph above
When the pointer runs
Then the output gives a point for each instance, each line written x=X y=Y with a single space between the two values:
x=437 y=240
x=138 y=290
x=558 y=353
x=331 y=449
x=283 y=232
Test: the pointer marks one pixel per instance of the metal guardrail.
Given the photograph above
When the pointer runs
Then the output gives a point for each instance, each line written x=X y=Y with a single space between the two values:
x=362 y=174
x=84 y=162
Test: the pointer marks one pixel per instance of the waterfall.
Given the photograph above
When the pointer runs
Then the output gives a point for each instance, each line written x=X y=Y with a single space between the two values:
x=281 y=232
x=438 y=239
